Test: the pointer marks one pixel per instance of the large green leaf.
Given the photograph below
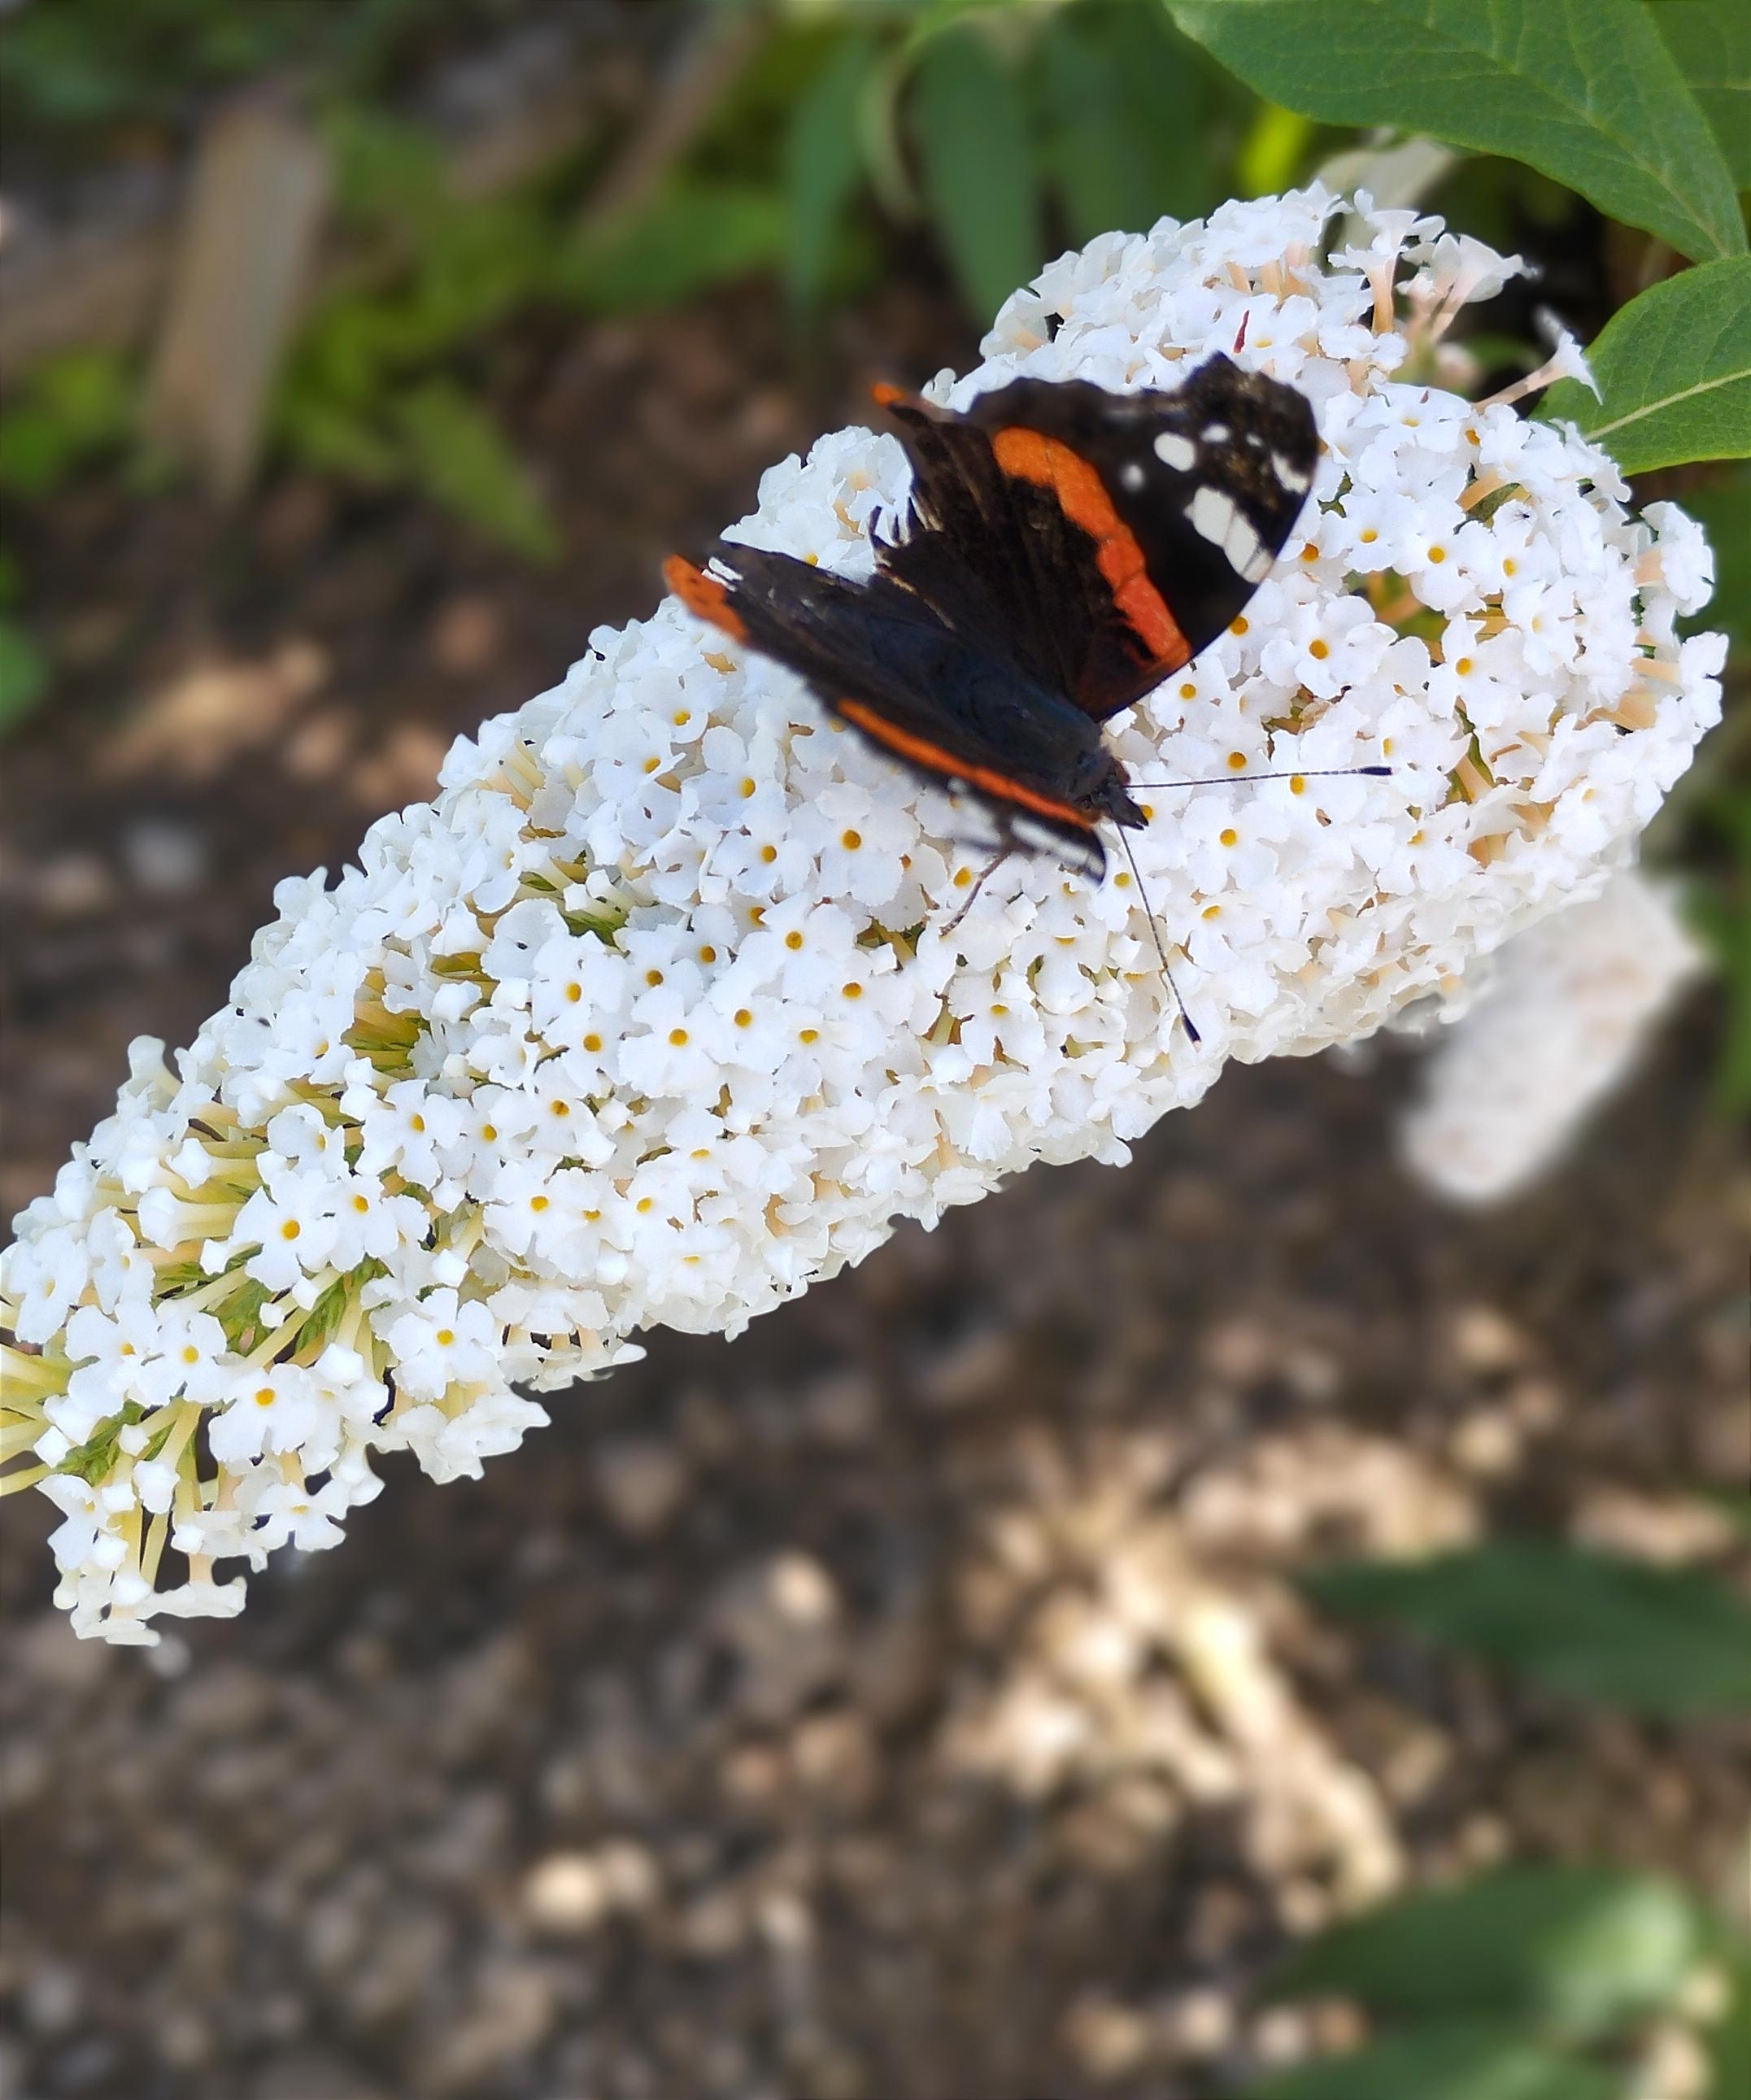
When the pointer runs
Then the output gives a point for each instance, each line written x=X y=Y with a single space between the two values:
x=1578 y=1951
x=1654 y=1640
x=1585 y=90
x=822 y=158
x=1711 y=40
x=1444 y=2062
x=1674 y=372
x=976 y=153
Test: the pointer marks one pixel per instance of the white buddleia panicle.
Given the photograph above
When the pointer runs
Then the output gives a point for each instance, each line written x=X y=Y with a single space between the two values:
x=653 y=1016
x=1565 y=1011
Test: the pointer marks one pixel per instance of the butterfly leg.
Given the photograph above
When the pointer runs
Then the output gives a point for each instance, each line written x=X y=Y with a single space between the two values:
x=989 y=869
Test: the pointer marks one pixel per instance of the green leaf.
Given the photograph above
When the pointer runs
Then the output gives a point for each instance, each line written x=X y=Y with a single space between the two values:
x=1711 y=41
x=696 y=234
x=92 y=1459
x=323 y=432
x=462 y=458
x=1729 y=2040
x=977 y=154
x=1128 y=104
x=1674 y=369
x=23 y=673
x=1275 y=149
x=1584 y=90
x=1580 y=1952
x=1459 y=2061
x=324 y=1315
x=1733 y=1503
x=240 y=1315
x=73 y=408
x=823 y=157
x=385 y=168
x=1658 y=1641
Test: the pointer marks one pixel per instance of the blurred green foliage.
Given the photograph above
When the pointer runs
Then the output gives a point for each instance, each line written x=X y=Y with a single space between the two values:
x=1522 y=1983
x=71 y=66
x=1532 y=1982
x=1577 y=1953
x=74 y=410
x=1664 y=1642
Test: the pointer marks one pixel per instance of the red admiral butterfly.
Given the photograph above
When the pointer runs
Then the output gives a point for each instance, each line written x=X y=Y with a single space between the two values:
x=1065 y=549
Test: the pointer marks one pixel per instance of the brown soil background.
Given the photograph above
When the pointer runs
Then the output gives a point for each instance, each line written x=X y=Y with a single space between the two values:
x=910 y=1700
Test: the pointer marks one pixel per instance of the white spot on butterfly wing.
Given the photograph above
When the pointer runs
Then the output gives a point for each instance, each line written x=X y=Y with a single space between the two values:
x=1216 y=433
x=1289 y=474
x=1037 y=837
x=1174 y=451
x=1085 y=857
x=1133 y=476
x=1248 y=553
x=1214 y=517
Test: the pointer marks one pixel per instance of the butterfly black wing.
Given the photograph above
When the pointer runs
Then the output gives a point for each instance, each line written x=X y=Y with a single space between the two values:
x=996 y=556
x=1204 y=484
x=935 y=697
x=1105 y=539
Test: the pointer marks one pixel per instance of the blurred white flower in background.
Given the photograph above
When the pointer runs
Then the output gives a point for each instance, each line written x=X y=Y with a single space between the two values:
x=1566 y=1009
x=651 y=1019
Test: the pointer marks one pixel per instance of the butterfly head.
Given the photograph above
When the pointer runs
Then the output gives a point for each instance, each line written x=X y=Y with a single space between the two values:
x=1105 y=792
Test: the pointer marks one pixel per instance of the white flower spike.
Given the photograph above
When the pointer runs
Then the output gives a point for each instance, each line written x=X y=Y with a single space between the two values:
x=651 y=1018
x=1564 y=1011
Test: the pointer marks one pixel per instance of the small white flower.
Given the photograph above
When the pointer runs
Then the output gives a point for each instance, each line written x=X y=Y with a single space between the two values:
x=272 y=1410
x=406 y=1130
x=1682 y=560
x=293 y=1225
x=442 y=1342
x=288 y=1513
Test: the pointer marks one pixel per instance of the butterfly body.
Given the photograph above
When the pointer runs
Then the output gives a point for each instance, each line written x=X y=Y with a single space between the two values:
x=1064 y=549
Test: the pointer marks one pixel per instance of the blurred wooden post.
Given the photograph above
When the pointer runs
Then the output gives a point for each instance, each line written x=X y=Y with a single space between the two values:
x=260 y=188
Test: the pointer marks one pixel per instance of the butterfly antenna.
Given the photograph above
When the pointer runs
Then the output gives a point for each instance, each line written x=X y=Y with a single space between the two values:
x=1294 y=773
x=1155 y=932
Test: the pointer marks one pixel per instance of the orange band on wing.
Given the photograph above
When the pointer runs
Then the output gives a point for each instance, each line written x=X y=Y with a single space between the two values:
x=932 y=757
x=1029 y=455
x=704 y=596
